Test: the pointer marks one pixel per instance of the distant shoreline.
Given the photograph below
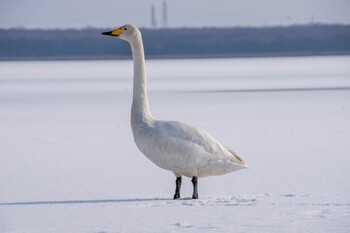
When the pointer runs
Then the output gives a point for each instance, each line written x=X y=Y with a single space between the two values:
x=168 y=57
x=179 y=43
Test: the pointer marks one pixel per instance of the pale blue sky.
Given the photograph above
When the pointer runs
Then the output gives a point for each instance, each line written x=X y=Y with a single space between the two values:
x=181 y=13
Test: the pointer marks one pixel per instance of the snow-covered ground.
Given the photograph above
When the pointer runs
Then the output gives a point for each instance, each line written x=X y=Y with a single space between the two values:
x=68 y=162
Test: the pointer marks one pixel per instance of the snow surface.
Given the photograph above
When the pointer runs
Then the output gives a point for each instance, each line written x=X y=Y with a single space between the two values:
x=68 y=162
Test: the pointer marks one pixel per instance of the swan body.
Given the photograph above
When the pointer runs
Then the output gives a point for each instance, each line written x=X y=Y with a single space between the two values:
x=171 y=145
x=184 y=150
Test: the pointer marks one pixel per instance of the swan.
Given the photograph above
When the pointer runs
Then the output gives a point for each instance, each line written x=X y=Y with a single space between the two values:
x=174 y=146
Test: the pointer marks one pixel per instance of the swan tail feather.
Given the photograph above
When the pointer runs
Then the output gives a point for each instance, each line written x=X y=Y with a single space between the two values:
x=238 y=158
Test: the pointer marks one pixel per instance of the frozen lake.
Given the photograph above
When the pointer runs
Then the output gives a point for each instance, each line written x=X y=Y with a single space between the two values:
x=68 y=162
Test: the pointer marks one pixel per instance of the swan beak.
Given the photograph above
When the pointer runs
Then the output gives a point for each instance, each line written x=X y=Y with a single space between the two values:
x=115 y=32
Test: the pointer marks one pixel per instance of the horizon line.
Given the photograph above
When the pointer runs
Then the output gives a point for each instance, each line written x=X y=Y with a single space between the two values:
x=179 y=27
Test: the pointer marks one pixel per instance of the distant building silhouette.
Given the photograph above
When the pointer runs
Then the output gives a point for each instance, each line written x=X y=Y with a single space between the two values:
x=165 y=15
x=153 y=17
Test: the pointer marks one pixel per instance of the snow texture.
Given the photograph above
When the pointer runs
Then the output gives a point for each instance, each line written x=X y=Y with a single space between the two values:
x=68 y=162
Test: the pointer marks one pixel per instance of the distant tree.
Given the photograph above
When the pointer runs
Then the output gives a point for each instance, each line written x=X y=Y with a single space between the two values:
x=182 y=42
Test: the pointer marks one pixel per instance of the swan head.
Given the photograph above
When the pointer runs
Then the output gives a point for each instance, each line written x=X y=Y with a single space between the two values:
x=127 y=32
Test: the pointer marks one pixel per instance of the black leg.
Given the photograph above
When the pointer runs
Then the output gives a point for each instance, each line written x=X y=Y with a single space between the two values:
x=195 y=191
x=178 y=187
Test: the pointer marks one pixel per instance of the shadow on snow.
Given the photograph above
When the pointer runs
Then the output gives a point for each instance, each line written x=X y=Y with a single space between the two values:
x=84 y=201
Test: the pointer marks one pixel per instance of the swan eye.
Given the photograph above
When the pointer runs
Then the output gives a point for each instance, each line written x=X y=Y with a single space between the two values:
x=125 y=29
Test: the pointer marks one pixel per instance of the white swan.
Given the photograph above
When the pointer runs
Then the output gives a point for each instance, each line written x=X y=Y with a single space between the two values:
x=174 y=146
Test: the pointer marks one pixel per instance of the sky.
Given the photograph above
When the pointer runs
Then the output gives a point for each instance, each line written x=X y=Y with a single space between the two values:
x=181 y=13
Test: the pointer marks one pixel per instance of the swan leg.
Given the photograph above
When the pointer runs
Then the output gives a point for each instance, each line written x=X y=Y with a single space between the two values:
x=195 y=190
x=178 y=187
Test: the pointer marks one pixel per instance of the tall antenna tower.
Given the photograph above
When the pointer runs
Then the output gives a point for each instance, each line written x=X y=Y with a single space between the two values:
x=153 y=17
x=165 y=15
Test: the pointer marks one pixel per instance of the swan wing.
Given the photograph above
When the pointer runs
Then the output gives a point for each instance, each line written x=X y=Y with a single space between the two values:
x=178 y=146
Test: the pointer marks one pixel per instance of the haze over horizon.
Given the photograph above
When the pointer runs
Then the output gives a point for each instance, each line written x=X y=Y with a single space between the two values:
x=206 y=13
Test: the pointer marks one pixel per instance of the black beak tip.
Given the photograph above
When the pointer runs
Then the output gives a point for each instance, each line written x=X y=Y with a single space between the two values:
x=107 y=33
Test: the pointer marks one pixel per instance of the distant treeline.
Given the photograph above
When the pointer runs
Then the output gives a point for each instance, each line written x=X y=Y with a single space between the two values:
x=181 y=42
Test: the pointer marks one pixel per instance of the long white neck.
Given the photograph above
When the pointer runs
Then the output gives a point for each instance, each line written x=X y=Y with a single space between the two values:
x=140 y=107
